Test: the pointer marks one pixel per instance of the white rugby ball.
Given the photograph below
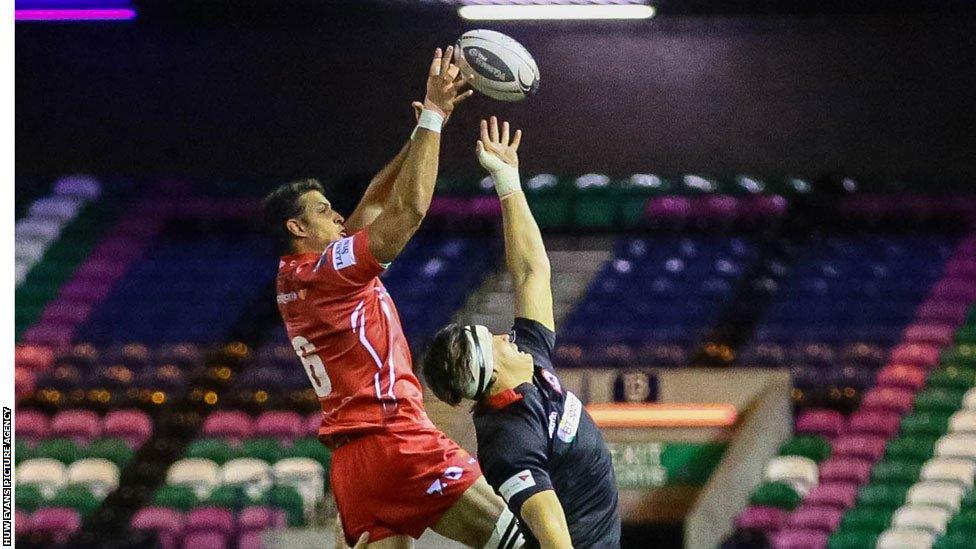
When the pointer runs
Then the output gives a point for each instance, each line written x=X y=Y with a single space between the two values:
x=503 y=69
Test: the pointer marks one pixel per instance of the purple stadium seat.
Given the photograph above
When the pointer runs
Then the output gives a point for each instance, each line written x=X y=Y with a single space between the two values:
x=902 y=376
x=250 y=539
x=761 y=518
x=762 y=207
x=888 y=399
x=65 y=310
x=915 y=354
x=133 y=426
x=81 y=186
x=31 y=425
x=284 y=426
x=209 y=540
x=121 y=248
x=56 y=335
x=485 y=207
x=78 y=425
x=34 y=357
x=673 y=208
x=942 y=311
x=955 y=289
x=86 y=290
x=60 y=523
x=449 y=206
x=939 y=335
x=823 y=422
x=845 y=469
x=800 y=539
x=165 y=522
x=232 y=425
x=258 y=517
x=23 y=523
x=312 y=423
x=810 y=517
x=859 y=446
x=883 y=424
x=833 y=494
x=720 y=207
x=961 y=267
x=218 y=519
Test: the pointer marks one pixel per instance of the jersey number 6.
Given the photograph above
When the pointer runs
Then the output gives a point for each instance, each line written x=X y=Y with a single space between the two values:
x=313 y=366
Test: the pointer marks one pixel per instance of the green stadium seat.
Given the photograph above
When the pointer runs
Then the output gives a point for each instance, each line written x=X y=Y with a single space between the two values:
x=964 y=521
x=971 y=316
x=925 y=424
x=61 y=449
x=230 y=497
x=550 y=199
x=77 y=497
x=890 y=471
x=635 y=191
x=28 y=498
x=312 y=448
x=969 y=500
x=597 y=202
x=966 y=335
x=289 y=499
x=939 y=399
x=814 y=447
x=219 y=451
x=776 y=494
x=267 y=449
x=955 y=540
x=911 y=447
x=22 y=451
x=963 y=355
x=867 y=519
x=852 y=539
x=112 y=449
x=952 y=377
x=181 y=498
x=888 y=496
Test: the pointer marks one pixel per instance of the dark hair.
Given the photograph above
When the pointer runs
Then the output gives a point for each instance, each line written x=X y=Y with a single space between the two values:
x=445 y=367
x=283 y=204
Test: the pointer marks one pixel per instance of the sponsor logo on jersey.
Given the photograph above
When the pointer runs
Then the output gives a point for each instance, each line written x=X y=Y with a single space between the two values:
x=436 y=488
x=342 y=254
x=453 y=473
x=553 y=416
x=291 y=296
x=569 y=424
x=552 y=379
x=518 y=482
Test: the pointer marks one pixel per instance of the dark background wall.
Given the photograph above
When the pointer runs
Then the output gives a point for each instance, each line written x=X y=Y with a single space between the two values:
x=327 y=94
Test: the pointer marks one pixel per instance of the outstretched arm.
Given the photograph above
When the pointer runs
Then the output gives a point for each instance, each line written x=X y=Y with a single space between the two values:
x=413 y=188
x=543 y=514
x=525 y=253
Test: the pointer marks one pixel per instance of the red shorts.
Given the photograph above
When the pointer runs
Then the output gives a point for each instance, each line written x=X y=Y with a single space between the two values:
x=399 y=483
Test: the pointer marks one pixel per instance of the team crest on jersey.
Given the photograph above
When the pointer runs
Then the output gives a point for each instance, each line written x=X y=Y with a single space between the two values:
x=553 y=380
x=343 y=254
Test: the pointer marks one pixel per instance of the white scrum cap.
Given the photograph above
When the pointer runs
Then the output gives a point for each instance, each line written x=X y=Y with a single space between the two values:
x=481 y=360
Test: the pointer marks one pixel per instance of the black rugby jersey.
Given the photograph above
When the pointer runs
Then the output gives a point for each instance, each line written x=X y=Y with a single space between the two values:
x=539 y=437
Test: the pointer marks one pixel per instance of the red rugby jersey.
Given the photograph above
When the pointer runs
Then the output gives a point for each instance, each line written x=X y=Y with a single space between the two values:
x=346 y=331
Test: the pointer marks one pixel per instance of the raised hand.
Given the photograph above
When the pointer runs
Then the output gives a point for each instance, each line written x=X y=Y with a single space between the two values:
x=445 y=84
x=497 y=144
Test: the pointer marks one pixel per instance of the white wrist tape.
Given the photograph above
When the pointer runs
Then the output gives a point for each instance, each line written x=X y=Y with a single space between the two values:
x=506 y=177
x=429 y=120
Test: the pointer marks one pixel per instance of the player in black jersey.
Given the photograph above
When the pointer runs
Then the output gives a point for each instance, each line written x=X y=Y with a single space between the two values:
x=538 y=446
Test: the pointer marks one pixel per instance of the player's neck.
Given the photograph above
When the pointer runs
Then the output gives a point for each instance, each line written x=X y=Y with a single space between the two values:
x=505 y=381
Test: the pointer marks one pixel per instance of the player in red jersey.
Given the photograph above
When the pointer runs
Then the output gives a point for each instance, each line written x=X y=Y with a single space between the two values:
x=394 y=474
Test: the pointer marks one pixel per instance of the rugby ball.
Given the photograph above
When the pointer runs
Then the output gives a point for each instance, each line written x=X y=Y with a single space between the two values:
x=501 y=67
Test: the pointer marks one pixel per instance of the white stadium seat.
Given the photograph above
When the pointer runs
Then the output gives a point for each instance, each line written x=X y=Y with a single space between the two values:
x=49 y=475
x=198 y=473
x=969 y=400
x=905 y=538
x=963 y=421
x=254 y=475
x=960 y=471
x=100 y=475
x=922 y=517
x=938 y=493
x=799 y=472
x=56 y=207
x=20 y=272
x=29 y=251
x=36 y=228
x=957 y=445
x=306 y=475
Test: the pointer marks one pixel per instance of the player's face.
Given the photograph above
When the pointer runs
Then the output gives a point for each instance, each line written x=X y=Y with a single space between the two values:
x=510 y=358
x=321 y=223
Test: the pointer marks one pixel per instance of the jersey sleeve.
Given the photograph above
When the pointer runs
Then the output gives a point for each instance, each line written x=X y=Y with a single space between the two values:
x=534 y=338
x=513 y=457
x=348 y=262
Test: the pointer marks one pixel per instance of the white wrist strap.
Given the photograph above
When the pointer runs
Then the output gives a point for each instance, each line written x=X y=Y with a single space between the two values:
x=429 y=120
x=506 y=177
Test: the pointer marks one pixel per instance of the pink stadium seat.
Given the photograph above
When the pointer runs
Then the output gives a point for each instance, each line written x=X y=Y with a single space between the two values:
x=57 y=336
x=257 y=517
x=209 y=540
x=833 y=494
x=60 y=523
x=902 y=376
x=22 y=523
x=31 y=425
x=250 y=539
x=888 y=399
x=859 y=446
x=283 y=426
x=34 y=357
x=485 y=207
x=823 y=422
x=761 y=518
x=800 y=539
x=78 y=425
x=312 y=423
x=25 y=381
x=845 y=469
x=232 y=425
x=942 y=311
x=955 y=289
x=939 y=335
x=218 y=519
x=915 y=354
x=810 y=517
x=883 y=424
x=165 y=522
x=673 y=208
x=132 y=426
x=962 y=267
